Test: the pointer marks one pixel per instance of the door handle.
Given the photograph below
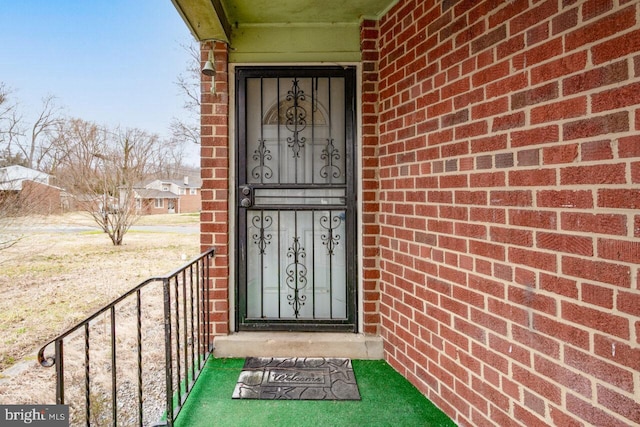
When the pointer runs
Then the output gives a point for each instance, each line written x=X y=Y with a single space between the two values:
x=245 y=194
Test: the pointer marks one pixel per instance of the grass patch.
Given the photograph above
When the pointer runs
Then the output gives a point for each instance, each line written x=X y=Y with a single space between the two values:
x=51 y=280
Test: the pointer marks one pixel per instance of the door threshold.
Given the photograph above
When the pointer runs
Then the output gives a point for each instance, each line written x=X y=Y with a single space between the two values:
x=299 y=344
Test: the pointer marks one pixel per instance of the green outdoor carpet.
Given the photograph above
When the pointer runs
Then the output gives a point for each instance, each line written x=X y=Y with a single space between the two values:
x=388 y=399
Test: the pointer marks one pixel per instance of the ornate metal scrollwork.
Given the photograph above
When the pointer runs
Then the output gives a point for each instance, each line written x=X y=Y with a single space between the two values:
x=330 y=239
x=296 y=276
x=261 y=238
x=47 y=361
x=330 y=154
x=296 y=119
x=262 y=154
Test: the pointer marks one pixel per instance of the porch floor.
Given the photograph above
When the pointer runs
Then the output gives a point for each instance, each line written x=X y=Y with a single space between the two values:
x=388 y=399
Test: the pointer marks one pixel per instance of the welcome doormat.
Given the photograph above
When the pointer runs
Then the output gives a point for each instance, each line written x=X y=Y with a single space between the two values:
x=297 y=378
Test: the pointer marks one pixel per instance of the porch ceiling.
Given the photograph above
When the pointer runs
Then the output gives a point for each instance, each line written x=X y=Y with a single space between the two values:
x=214 y=19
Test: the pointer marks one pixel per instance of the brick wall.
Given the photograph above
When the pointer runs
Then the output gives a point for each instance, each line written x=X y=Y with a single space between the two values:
x=149 y=207
x=190 y=203
x=509 y=206
x=40 y=199
x=214 y=217
x=370 y=204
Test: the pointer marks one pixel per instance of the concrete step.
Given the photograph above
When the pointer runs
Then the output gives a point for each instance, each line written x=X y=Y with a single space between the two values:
x=299 y=344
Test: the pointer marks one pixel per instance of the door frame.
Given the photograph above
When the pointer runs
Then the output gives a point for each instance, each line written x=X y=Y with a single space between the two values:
x=354 y=259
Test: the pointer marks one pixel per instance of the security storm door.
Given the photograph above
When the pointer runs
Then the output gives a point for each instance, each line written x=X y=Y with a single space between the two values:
x=295 y=199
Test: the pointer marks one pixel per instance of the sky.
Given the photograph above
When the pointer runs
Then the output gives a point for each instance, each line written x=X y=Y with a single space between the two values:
x=112 y=62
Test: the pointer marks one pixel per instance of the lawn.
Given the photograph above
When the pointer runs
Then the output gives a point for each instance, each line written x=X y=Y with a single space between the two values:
x=60 y=271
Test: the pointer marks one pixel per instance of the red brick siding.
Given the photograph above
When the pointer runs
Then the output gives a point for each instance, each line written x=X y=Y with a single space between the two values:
x=149 y=206
x=505 y=191
x=151 y=209
x=190 y=203
x=369 y=183
x=214 y=153
x=40 y=199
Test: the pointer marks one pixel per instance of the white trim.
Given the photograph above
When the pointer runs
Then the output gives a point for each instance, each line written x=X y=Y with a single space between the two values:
x=359 y=206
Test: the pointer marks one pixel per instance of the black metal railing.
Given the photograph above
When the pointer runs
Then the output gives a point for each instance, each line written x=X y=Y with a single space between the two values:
x=134 y=361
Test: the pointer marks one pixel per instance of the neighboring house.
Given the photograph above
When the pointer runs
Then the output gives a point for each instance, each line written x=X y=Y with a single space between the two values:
x=29 y=192
x=12 y=177
x=458 y=180
x=97 y=203
x=169 y=196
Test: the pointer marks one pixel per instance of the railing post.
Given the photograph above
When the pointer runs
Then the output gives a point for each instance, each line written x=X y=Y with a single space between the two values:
x=139 y=349
x=114 y=370
x=87 y=376
x=59 y=360
x=206 y=282
x=167 y=343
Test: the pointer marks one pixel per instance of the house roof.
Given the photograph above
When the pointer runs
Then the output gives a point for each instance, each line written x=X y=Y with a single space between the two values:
x=144 y=193
x=11 y=177
x=192 y=182
x=279 y=30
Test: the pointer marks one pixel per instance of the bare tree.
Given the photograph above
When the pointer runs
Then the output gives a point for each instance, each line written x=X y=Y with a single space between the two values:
x=30 y=144
x=188 y=82
x=77 y=141
x=39 y=142
x=169 y=160
x=24 y=192
x=9 y=124
x=9 y=200
x=8 y=196
x=101 y=169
